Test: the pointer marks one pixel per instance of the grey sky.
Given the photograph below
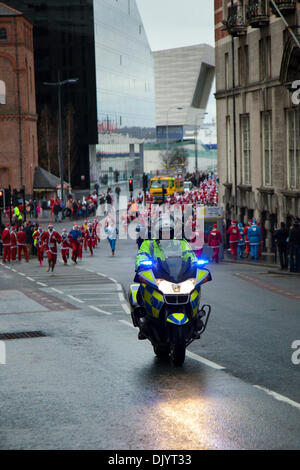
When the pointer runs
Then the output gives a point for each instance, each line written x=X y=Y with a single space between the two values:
x=177 y=23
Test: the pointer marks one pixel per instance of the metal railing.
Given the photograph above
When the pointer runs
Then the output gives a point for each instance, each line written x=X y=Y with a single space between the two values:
x=236 y=21
x=257 y=12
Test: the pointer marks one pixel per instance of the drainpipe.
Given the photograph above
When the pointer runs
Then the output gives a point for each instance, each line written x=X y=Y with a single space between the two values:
x=19 y=106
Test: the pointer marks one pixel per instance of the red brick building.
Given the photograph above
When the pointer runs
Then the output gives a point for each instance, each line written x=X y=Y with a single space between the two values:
x=18 y=118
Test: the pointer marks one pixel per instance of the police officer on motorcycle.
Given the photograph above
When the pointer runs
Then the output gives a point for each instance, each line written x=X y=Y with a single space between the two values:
x=155 y=249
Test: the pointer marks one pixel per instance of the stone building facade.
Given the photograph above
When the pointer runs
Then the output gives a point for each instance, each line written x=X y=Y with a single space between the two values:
x=18 y=118
x=258 y=113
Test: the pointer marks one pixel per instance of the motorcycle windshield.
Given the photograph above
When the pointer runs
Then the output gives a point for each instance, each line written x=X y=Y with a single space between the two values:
x=171 y=265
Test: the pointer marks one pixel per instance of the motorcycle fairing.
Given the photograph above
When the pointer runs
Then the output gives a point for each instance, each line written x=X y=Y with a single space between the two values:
x=178 y=319
x=203 y=275
x=149 y=277
x=195 y=300
x=153 y=301
x=132 y=294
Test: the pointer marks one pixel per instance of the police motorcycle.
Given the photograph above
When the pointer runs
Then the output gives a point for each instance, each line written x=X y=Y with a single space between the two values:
x=165 y=301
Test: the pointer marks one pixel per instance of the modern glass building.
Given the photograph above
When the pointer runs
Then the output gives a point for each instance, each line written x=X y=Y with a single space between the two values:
x=125 y=90
x=103 y=43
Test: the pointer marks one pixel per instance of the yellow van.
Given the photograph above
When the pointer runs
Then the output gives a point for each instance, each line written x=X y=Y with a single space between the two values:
x=170 y=184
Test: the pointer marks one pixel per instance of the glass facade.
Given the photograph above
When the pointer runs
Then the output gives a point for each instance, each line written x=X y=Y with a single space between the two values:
x=103 y=43
x=63 y=37
x=125 y=89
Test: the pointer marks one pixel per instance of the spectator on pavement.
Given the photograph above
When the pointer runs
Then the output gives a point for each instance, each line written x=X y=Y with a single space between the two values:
x=280 y=239
x=294 y=247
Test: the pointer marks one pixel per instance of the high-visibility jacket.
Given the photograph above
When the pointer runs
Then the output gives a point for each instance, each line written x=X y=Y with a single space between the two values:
x=152 y=249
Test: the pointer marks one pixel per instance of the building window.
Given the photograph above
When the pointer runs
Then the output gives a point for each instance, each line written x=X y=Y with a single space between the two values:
x=243 y=56
x=3 y=34
x=2 y=92
x=266 y=123
x=228 y=150
x=293 y=123
x=226 y=71
x=265 y=71
x=245 y=148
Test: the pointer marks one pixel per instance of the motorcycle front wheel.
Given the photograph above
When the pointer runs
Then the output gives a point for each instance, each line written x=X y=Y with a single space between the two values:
x=177 y=348
x=161 y=352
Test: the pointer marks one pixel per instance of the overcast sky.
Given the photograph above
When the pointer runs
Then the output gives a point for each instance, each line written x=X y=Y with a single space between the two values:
x=177 y=23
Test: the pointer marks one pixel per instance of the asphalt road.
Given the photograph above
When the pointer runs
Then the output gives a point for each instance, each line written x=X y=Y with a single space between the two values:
x=89 y=383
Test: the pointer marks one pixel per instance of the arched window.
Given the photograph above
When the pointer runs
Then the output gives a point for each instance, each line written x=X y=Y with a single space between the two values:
x=2 y=92
x=3 y=33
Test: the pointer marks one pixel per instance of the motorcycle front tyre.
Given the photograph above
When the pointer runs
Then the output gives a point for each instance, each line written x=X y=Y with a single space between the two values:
x=162 y=352
x=177 y=347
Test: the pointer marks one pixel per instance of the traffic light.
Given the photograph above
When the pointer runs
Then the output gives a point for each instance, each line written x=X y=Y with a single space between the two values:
x=2 y=198
x=15 y=198
x=130 y=185
x=145 y=182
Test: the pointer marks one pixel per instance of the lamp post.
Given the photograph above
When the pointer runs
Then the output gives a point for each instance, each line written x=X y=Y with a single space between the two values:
x=171 y=107
x=59 y=84
x=196 y=137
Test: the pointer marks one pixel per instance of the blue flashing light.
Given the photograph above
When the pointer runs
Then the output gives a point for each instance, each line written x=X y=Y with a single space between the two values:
x=202 y=262
x=146 y=263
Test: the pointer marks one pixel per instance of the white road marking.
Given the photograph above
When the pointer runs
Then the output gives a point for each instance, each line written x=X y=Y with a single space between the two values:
x=279 y=397
x=99 y=310
x=77 y=300
x=14 y=270
x=30 y=279
x=188 y=353
x=108 y=305
x=126 y=308
x=121 y=296
x=42 y=284
x=56 y=290
x=22 y=274
x=126 y=323
x=198 y=358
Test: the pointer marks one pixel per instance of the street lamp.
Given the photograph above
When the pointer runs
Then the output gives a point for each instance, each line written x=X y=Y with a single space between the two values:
x=59 y=84
x=171 y=107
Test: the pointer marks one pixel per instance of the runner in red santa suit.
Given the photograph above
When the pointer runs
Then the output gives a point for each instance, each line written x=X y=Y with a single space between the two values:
x=50 y=239
x=75 y=237
x=6 y=242
x=247 y=250
x=21 y=244
x=198 y=241
x=65 y=246
x=89 y=238
x=97 y=228
x=39 y=245
x=81 y=241
x=215 y=240
x=13 y=244
x=234 y=237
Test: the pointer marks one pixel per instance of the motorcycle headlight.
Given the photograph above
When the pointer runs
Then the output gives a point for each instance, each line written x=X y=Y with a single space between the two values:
x=188 y=286
x=169 y=288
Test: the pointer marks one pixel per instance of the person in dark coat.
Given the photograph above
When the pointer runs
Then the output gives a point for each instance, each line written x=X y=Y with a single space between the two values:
x=294 y=247
x=28 y=230
x=280 y=238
